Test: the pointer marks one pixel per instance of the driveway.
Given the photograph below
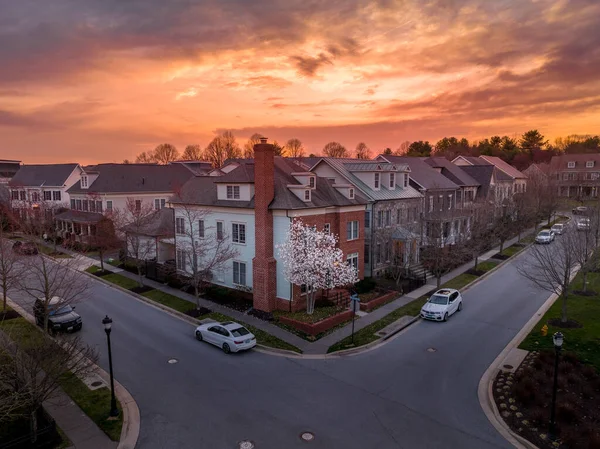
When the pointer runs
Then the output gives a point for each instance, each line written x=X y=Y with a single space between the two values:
x=418 y=391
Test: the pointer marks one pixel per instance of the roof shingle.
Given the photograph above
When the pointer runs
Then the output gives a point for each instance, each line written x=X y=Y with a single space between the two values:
x=52 y=175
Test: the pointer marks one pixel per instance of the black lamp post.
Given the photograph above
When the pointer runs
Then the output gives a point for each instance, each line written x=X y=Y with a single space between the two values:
x=114 y=411
x=558 y=339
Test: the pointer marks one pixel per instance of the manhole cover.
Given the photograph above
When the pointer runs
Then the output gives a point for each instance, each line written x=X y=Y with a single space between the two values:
x=431 y=350
x=172 y=361
x=508 y=367
x=96 y=384
x=307 y=436
x=246 y=444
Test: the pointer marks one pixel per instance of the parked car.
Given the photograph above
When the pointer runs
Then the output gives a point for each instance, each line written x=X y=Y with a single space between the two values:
x=580 y=210
x=545 y=236
x=583 y=224
x=25 y=248
x=558 y=228
x=442 y=304
x=229 y=336
x=61 y=317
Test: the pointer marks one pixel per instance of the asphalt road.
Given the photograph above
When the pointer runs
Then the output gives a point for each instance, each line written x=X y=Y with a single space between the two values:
x=400 y=395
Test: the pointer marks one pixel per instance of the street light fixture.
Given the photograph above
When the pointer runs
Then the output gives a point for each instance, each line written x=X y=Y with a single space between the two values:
x=114 y=411
x=558 y=340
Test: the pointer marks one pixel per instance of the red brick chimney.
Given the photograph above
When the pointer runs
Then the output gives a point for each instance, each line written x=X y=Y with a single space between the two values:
x=264 y=276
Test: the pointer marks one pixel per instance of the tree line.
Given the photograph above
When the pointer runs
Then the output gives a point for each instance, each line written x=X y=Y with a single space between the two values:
x=530 y=147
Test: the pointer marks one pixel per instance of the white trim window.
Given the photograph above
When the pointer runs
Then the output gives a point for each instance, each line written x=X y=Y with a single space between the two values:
x=56 y=195
x=589 y=164
x=376 y=181
x=109 y=205
x=138 y=205
x=307 y=195
x=181 y=259
x=47 y=195
x=327 y=228
x=311 y=182
x=238 y=233
x=233 y=192
x=239 y=273
x=352 y=230
x=219 y=230
x=84 y=182
x=392 y=180
x=159 y=203
x=388 y=217
x=201 y=229
x=571 y=164
x=351 y=193
x=405 y=180
x=179 y=226
x=431 y=203
x=352 y=260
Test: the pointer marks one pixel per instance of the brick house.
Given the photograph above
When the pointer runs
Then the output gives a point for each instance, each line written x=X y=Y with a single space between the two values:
x=576 y=175
x=252 y=203
x=392 y=212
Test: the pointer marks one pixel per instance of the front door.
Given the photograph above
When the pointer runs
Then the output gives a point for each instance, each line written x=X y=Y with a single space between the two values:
x=400 y=252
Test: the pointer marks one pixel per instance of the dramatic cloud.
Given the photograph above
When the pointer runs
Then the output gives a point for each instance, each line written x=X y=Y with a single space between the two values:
x=126 y=75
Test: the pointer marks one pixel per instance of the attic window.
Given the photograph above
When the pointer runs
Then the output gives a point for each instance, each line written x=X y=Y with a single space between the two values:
x=589 y=164
x=351 y=193
x=571 y=164
x=311 y=182
x=392 y=180
x=84 y=181
x=233 y=192
x=405 y=180
x=377 y=180
x=307 y=195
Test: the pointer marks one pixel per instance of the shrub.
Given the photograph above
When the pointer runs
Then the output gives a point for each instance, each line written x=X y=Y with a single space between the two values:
x=525 y=391
x=594 y=441
x=365 y=285
x=566 y=412
x=539 y=415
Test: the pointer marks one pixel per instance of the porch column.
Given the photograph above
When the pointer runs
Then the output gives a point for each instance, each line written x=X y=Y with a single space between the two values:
x=89 y=227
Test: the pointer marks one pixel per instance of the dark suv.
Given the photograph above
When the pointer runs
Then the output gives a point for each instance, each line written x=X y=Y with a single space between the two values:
x=61 y=317
x=25 y=248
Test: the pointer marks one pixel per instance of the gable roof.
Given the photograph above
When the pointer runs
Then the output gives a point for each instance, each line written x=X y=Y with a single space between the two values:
x=345 y=167
x=202 y=190
x=135 y=178
x=483 y=174
x=52 y=175
x=473 y=160
x=421 y=172
x=504 y=166
x=558 y=163
x=453 y=172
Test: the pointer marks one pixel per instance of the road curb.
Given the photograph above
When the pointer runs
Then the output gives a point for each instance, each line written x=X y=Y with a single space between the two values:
x=130 y=431
x=485 y=387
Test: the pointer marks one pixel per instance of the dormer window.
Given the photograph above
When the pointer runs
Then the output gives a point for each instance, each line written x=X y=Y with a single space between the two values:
x=392 y=180
x=84 y=182
x=571 y=164
x=377 y=180
x=307 y=195
x=311 y=182
x=233 y=192
x=405 y=180
x=589 y=164
x=351 y=193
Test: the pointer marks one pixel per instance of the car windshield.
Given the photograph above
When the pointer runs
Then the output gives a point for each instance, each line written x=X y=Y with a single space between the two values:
x=62 y=310
x=439 y=299
x=559 y=226
x=544 y=233
x=239 y=332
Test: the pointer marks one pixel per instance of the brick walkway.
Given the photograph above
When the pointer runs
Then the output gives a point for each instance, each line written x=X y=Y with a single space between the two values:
x=319 y=346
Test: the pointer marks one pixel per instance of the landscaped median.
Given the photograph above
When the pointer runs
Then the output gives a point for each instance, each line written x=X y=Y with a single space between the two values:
x=94 y=403
x=186 y=307
x=524 y=398
x=368 y=335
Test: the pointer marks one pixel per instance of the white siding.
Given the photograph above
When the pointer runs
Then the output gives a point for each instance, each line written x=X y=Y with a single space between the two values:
x=325 y=171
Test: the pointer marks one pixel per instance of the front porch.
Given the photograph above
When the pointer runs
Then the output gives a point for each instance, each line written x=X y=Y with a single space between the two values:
x=77 y=226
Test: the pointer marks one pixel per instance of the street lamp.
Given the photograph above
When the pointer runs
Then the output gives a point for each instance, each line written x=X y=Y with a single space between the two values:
x=114 y=411
x=558 y=340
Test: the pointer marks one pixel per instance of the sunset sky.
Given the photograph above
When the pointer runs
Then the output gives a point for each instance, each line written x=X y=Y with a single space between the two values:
x=102 y=80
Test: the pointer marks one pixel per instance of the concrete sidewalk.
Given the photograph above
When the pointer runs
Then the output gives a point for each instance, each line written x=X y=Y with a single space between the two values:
x=320 y=346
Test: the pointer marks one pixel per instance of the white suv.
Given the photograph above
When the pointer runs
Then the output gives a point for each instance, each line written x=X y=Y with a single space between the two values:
x=442 y=304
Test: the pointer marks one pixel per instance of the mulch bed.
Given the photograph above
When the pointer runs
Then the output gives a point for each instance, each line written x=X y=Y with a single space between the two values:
x=100 y=273
x=9 y=315
x=569 y=324
x=198 y=312
x=501 y=256
x=140 y=290
x=475 y=272
x=524 y=401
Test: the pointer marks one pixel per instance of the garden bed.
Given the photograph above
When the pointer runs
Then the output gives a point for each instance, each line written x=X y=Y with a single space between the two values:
x=308 y=324
x=230 y=298
x=373 y=300
x=524 y=401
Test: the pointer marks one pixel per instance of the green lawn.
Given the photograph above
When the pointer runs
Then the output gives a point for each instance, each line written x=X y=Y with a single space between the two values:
x=49 y=251
x=486 y=265
x=585 y=341
x=92 y=269
x=114 y=263
x=512 y=250
x=171 y=301
x=367 y=334
x=95 y=404
x=121 y=281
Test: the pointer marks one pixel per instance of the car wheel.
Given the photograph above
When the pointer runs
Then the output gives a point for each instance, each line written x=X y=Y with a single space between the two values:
x=226 y=348
x=198 y=335
x=460 y=306
x=446 y=316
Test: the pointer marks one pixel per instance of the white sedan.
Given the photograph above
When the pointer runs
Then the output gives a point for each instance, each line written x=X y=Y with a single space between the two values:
x=442 y=304
x=545 y=236
x=229 y=336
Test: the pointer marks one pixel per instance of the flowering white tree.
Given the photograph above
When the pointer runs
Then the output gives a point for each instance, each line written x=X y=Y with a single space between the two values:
x=311 y=258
